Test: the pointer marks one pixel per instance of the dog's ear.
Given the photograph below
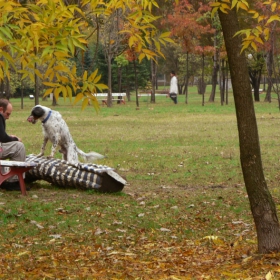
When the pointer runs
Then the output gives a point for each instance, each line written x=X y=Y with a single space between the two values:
x=38 y=112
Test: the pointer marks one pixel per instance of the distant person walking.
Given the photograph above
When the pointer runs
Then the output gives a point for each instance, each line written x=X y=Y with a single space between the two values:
x=173 y=91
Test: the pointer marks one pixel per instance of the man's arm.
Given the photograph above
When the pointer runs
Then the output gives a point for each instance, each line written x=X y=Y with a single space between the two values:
x=4 y=137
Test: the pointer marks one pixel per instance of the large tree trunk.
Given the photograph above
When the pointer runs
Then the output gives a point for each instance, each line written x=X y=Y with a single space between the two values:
x=261 y=202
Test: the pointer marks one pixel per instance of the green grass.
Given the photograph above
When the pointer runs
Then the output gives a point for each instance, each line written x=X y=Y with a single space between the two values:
x=185 y=183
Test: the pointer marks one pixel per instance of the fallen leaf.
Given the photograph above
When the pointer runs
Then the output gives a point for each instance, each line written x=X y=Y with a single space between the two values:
x=165 y=229
x=268 y=276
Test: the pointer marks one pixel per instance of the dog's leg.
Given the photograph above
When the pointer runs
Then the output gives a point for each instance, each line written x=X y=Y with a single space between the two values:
x=72 y=155
x=63 y=151
x=43 y=147
x=55 y=142
x=53 y=149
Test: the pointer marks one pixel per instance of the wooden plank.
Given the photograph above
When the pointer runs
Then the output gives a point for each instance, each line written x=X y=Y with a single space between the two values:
x=17 y=168
x=11 y=163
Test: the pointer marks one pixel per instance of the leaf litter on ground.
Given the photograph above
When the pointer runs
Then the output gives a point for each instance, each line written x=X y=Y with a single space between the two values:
x=96 y=237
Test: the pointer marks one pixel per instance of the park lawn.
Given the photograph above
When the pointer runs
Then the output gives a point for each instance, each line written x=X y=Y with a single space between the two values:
x=184 y=213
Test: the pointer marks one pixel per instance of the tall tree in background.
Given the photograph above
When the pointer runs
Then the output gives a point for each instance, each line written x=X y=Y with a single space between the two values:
x=218 y=44
x=190 y=24
x=110 y=39
x=261 y=202
x=122 y=62
x=259 y=43
x=270 y=51
x=256 y=64
x=50 y=32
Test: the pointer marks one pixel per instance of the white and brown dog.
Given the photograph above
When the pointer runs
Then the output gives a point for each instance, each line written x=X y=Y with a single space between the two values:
x=56 y=130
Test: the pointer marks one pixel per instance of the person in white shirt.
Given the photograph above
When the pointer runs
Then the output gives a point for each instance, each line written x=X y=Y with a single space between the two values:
x=173 y=91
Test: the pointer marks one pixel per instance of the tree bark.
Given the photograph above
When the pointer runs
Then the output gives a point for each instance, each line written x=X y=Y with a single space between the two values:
x=7 y=87
x=255 y=81
x=21 y=89
x=226 y=82
x=127 y=88
x=119 y=78
x=136 y=83
x=36 y=86
x=269 y=66
x=109 y=97
x=153 y=71
x=215 y=70
x=262 y=205
x=202 y=81
x=223 y=82
x=187 y=79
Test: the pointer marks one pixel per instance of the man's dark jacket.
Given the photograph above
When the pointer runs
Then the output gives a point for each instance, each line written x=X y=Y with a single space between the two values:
x=4 y=137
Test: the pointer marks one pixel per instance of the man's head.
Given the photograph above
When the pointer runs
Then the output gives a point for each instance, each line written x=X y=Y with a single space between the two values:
x=6 y=108
x=172 y=73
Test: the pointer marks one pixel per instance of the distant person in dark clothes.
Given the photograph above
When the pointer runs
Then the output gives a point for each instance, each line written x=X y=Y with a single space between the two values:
x=173 y=91
x=11 y=146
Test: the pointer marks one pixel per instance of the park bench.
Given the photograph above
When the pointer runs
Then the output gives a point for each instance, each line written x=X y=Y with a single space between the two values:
x=162 y=91
x=260 y=90
x=148 y=93
x=115 y=97
x=15 y=168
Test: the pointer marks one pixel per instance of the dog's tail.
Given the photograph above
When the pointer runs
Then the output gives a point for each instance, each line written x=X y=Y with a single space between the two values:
x=89 y=157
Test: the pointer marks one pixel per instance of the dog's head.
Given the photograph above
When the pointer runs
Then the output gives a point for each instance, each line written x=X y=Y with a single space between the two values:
x=38 y=112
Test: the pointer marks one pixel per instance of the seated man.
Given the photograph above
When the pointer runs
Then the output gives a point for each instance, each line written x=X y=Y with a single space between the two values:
x=11 y=146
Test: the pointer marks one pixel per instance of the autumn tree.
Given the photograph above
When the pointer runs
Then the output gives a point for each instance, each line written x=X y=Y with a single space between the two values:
x=260 y=44
x=129 y=30
x=269 y=49
x=218 y=45
x=110 y=39
x=190 y=24
x=49 y=32
x=122 y=62
x=256 y=64
x=261 y=202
